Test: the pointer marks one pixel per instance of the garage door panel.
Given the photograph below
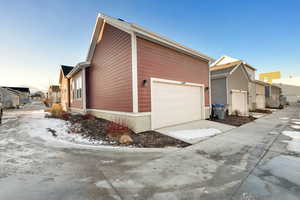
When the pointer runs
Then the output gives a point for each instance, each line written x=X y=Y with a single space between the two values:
x=260 y=101
x=174 y=104
x=239 y=102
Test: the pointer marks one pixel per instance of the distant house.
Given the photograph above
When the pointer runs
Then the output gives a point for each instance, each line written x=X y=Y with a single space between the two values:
x=256 y=96
x=229 y=86
x=290 y=88
x=53 y=95
x=273 y=93
x=9 y=98
x=37 y=96
x=24 y=94
x=64 y=84
x=260 y=96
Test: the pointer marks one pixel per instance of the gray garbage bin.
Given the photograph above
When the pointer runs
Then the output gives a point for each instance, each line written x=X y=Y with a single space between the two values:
x=219 y=111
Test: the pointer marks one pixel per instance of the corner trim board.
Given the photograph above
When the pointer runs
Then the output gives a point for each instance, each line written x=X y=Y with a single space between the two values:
x=135 y=107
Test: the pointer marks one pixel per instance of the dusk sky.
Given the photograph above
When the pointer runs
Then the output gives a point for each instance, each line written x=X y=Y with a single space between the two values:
x=38 y=36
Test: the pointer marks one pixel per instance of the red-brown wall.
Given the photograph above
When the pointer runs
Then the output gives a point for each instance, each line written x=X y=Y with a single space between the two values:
x=109 y=79
x=158 y=61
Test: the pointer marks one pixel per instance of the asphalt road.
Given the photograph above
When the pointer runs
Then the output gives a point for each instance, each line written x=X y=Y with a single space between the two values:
x=251 y=162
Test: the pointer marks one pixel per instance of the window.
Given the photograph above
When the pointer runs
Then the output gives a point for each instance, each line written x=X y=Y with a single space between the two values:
x=77 y=88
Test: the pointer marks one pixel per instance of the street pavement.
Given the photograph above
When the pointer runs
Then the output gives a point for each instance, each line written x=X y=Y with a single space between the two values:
x=252 y=162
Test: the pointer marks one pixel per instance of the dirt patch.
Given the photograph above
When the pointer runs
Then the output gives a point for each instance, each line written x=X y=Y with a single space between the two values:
x=262 y=111
x=234 y=120
x=99 y=129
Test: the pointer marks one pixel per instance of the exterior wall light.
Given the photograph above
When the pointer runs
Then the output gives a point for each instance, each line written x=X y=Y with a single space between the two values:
x=145 y=83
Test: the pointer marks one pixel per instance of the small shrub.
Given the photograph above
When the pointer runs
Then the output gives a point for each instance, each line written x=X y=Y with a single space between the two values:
x=65 y=116
x=88 y=116
x=236 y=113
x=56 y=110
x=114 y=129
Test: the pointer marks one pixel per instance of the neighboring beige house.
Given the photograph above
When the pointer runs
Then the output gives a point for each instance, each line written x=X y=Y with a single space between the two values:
x=290 y=88
x=53 y=95
x=260 y=95
x=229 y=86
x=255 y=88
x=273 y=93
x=64 y=84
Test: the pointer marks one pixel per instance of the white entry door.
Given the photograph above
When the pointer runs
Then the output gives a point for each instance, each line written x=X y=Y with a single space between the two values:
x=174 y=103
x=239 y=102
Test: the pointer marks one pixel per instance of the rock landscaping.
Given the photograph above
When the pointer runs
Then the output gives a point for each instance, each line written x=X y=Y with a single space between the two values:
x=116 y=134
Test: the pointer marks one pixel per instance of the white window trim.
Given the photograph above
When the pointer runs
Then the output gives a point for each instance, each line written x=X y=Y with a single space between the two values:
x=74 y=88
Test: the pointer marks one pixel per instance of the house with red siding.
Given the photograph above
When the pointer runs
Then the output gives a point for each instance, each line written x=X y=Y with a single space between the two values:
x=139 y=78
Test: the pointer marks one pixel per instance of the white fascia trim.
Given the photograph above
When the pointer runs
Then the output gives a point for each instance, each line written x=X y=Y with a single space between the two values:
x=243 y=69
x=95 y=34
x=121 y=113
x=135 y=107
x=119 y=26
x=129 y=28
x=176 y=82
x=83 y=79
x=77 y=68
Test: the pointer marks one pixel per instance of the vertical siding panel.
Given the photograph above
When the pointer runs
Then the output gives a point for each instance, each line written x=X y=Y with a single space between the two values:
x=158 y=61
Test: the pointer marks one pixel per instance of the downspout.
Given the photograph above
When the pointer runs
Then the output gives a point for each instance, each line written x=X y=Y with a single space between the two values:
x=84 y=89
x=69 y=94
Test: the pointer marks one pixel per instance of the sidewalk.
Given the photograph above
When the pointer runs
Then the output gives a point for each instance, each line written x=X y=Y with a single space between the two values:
x=217 y=168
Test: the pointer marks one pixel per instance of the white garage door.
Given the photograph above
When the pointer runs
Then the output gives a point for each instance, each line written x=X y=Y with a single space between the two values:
x=173 y=103
x=260 y=101
x=239 y=102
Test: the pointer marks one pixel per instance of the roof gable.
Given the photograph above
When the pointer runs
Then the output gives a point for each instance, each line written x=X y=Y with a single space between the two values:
x=223 y=60
x=66 y=69
x=139 y=31
x=19 y=89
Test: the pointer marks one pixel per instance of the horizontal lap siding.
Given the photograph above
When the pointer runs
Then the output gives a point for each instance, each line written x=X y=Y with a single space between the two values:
x=109 y=79
x=157 y=61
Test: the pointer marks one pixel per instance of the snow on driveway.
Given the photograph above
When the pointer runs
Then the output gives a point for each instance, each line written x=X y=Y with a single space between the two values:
x=294 y=144
x=193 y=135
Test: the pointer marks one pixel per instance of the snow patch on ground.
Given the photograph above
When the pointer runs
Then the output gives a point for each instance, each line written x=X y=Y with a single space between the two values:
x=284 y=118
x=296 y=123
x=194 y=134
x=257 y=115
x=37 y=125
x=295 y=126
x=294 y=144
x=296 y=120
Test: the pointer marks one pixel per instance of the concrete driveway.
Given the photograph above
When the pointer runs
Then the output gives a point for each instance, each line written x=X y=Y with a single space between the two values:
x=196 y=131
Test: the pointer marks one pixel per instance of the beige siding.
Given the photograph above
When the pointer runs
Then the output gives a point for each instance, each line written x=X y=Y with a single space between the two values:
x=238 y=80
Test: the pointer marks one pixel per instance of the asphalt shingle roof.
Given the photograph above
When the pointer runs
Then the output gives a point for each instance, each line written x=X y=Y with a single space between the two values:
x=66 y=69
